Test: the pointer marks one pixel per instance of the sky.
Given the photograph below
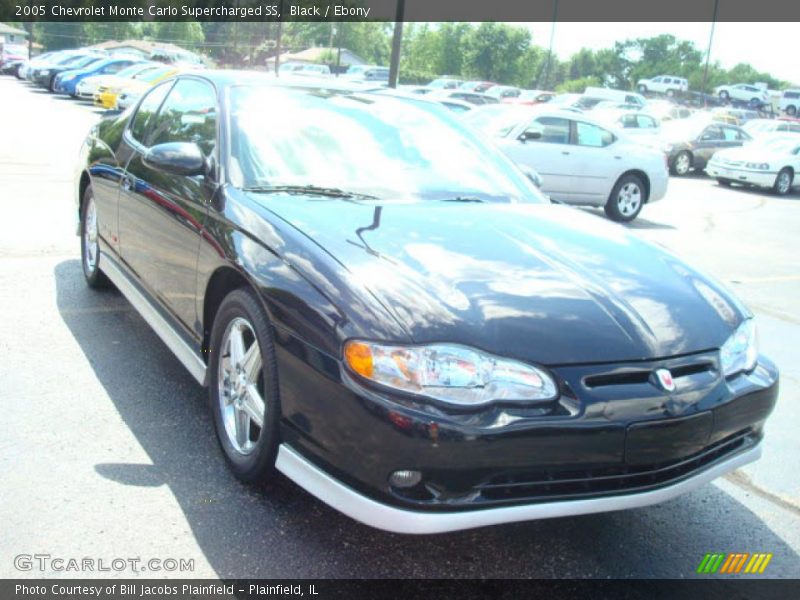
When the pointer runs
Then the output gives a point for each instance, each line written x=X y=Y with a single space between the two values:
x=770 y=47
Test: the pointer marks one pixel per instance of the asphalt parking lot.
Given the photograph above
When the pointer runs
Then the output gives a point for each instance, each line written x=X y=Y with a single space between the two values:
x=108 y=449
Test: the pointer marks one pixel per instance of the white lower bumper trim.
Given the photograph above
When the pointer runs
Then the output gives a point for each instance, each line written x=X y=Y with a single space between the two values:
x=399 y=520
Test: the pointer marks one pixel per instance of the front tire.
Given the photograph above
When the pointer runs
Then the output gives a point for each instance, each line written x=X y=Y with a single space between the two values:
x=642 y=89
x=783 y=182
x=90 y=243
x=626 y=200
x=724 y=96
x=724 y=182
x=791 y=110
x=682 y=163
x=243 y=390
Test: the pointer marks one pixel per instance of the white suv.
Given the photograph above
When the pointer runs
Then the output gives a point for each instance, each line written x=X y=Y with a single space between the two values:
x=790 y=102
x=663 y=84
x=743 y=92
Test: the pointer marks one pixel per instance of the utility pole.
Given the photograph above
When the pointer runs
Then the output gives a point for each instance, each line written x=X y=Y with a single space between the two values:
x=552 y=39
x=278 y=41
x=397 y=40
x=708 y=54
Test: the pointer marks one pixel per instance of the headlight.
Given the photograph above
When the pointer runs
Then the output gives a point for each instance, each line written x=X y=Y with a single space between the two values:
x=759 y=166
x=454 y=374
x=740 y=352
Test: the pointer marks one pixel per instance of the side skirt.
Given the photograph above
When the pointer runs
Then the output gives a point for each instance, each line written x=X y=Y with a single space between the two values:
x=188 y=357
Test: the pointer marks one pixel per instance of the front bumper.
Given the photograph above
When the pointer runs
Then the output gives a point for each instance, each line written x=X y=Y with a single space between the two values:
x=742 y=175
x=398 y=520
x=612 y=440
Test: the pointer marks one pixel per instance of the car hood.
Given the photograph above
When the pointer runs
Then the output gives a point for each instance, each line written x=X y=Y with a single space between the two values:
x=545 y=283
x=751 y=153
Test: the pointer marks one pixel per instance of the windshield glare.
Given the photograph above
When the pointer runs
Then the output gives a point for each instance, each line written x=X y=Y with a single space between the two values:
x=390 y=148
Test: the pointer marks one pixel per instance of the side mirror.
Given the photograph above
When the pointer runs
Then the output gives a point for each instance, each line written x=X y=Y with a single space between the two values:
x=529 y=134
x=178 y=158
x=534 y=177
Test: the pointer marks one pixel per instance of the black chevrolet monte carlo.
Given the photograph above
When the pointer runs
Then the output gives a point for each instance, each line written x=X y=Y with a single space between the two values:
x=388 y=312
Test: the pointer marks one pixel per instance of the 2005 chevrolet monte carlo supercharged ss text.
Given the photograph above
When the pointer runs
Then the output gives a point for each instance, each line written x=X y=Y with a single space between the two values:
x=386 y=310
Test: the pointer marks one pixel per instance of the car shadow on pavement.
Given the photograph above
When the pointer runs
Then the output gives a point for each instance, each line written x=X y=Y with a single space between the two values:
x=279 y=530
x=762 y=192
x=637 y=223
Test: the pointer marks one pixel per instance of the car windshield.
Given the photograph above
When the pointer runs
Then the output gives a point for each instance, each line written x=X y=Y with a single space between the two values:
x=685 y=129
x=389 y=148
x=152 y=76
x=782 y=145
x=85 y=61
x=132 y=70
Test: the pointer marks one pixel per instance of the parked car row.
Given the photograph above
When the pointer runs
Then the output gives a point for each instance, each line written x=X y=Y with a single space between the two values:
x=109 y=81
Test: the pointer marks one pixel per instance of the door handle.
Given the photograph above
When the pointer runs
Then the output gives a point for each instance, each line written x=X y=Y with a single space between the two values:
x=618 y=157
x=565 y=153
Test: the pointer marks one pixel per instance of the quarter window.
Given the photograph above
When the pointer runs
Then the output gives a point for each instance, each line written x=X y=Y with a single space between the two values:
x=189 y=114
x=591 y=135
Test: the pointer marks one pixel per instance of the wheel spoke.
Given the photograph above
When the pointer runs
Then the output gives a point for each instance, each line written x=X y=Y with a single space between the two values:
x=236 y=345
x=242 y=424
x=251 y=363
x=253 y=405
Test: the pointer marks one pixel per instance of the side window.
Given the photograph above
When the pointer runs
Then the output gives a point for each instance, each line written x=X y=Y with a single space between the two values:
x=591 y=135
x=645 y=122
x=189 y=114
x=711 y=134
x=554 y=130
x=731 y=135
x=667 y=80
x=630 y=122
x=143 y=118
x=656 y=79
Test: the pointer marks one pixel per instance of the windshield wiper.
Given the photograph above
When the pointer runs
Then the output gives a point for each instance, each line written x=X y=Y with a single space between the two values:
x=307 y=189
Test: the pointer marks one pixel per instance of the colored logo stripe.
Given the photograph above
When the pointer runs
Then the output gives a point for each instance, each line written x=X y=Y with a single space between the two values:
x=734 y=562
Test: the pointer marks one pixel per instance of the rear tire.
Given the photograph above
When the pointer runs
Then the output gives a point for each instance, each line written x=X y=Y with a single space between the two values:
x=783 y=182
x=626 y=199
x=791 y=110
x=724 y=182
x=243 y=387
x=90 y=243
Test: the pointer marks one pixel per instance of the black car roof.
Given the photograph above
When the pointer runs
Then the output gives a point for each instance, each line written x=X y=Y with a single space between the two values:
x=228 y=78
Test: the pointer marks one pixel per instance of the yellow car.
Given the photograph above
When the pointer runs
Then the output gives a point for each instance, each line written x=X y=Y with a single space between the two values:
x=107 y=96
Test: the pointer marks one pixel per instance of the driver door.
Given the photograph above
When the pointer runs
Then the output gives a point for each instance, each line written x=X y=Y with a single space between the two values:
x=161 y=214
x=544 y=146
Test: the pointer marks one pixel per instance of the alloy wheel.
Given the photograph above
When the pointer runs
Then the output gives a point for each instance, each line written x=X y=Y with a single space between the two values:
x=90 y=245
x=241 y=386
x=784 y=182
x=682 y=164
x=629 y=199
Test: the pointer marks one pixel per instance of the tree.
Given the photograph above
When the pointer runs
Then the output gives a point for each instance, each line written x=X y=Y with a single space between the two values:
x=497 y=52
